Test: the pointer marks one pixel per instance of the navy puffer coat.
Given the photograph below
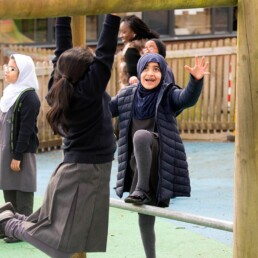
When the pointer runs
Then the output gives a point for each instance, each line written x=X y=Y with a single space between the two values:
x=173 y=168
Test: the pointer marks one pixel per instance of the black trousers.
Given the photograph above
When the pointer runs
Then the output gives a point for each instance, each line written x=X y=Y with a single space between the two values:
x=21 y=201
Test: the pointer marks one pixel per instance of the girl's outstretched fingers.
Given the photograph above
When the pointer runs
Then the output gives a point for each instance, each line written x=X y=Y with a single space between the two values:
x=199 y=69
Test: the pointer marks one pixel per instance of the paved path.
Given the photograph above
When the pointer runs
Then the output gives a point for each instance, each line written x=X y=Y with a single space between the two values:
x=211 y=167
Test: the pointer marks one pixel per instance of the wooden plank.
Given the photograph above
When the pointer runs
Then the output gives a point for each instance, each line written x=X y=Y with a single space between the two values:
x=246 y=151
x=218 y=91
x=232 y=114
x=214 y=51
x=226 y=84
x=49 y=144
x=52 y=8
x=221 y=137
x=212 y=93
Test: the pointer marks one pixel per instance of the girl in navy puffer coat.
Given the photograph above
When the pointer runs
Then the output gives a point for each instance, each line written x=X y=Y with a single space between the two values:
x=152 y=163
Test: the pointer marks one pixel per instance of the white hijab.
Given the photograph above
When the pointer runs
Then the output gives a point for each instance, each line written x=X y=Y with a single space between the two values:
x=27 y=78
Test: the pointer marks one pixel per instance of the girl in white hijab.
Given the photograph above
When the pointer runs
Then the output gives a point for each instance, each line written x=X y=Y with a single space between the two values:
x=25 y=74
x=19 y=109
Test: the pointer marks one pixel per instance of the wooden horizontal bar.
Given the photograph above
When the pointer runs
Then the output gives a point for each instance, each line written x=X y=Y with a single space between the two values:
x=28 y=9
x=216 y=51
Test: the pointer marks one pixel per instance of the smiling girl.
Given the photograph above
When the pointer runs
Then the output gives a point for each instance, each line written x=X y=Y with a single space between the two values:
x=152 y=163
x=19 y=109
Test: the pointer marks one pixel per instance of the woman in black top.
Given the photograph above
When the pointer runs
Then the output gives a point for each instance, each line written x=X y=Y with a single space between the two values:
x=133 y=33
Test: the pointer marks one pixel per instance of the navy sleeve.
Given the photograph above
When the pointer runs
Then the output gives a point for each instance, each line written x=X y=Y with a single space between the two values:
x=99 y=72
x=113 y=106
x=63 y=34
x=187 y=97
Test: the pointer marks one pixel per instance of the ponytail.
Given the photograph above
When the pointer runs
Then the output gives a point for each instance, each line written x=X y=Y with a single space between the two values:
x=59 y=99
x=70 y=68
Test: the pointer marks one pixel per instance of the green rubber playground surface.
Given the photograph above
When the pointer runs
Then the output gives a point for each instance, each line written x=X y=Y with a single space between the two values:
x=124 y=241
x=211 y=168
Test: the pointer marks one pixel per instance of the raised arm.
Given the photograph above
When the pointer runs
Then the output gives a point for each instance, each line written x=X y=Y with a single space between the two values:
x=187 y=97
x=63 y=34
x=100 y=70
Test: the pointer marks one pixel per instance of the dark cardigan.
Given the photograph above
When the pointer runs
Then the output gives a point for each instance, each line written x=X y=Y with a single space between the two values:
x=24 y=124
x=90 y=138
x=173 y=168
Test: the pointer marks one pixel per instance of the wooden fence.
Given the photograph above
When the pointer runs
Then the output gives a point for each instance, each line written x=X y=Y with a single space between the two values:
x=37 y=54
x=212 y=118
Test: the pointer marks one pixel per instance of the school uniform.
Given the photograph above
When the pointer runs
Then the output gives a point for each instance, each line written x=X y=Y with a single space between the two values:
x=19 y=109
x=172 y=175
x=25 y=180
x=74 y=213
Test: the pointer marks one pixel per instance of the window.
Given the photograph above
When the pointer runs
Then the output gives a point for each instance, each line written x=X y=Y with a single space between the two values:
x=170 y=24
x=35 y=29
x=42 y=31
x=234 y=18
x=192 y=21
x=158 y=21
x=221 y=20
x=92 y=28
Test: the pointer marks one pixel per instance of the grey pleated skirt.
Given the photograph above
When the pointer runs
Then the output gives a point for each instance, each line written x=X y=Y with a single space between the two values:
x=74 y=213
x=25 y=179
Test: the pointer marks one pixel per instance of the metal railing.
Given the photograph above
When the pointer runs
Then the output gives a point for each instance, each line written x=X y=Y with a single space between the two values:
x=174 y=215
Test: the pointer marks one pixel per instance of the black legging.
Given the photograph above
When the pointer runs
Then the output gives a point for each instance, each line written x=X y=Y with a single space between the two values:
x=21 y=201
x=143 y=141
x=146 y=225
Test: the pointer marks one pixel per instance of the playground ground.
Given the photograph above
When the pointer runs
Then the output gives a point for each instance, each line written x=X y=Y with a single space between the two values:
x=211 y=166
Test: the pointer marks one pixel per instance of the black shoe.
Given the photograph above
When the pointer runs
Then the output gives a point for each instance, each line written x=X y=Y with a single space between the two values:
x=6 y=215
x=11 y=240
x=7 y=206
x=139 y=198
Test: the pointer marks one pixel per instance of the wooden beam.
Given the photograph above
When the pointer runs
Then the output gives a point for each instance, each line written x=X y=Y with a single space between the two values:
x=79 y=255
x=25 y=9
x=79 y=31
x=246 y=145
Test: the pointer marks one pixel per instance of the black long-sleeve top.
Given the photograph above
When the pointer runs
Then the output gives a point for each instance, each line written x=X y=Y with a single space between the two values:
x=24 y=128
x=132 y=56
x=90 y=138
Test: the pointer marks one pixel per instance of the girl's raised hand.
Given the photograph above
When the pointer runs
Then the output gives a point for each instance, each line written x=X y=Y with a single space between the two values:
x=199 y=69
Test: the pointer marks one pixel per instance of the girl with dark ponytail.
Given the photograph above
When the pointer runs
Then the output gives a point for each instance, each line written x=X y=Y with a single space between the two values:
x=74 y=214
x=66 y=76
